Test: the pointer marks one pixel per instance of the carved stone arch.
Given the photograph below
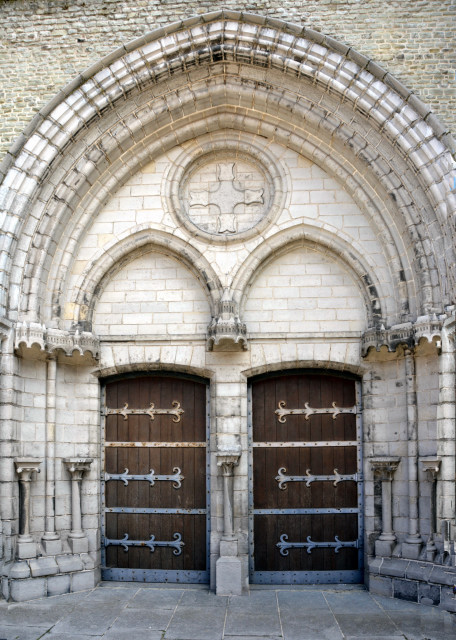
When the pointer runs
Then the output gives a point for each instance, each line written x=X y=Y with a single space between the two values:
x=361 y=190
x=332 y=364
x=303 y=236
x=317 y=68
x=109 y=260
x=143 y=366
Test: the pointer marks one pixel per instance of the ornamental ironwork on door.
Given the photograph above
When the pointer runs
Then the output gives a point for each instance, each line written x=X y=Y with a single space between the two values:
x=305 y=493
x=155 y=480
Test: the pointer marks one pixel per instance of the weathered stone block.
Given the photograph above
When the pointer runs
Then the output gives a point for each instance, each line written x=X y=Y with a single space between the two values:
x=88 y=561
x=26 y=550
x=69 y=563
x=447 y=599
x=51 y=547
x=83 y=580
x=418 y=571
x=428 y=594
x=394 y=567
x=411 y=550
x=43 y=567
x=380 y=585
x=384 y=548
x=78 y=545
x=29 y=589
x=20 y=570
x=405 y=589
x=229 y=576
x=443 y=575
x=56 y=585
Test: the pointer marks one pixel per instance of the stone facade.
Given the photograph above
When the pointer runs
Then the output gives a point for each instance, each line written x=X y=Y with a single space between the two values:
x=46 y=43
x=228 y=197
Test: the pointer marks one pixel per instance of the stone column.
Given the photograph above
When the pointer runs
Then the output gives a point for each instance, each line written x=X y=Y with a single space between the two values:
x=411 y=547
x=77 y=539
x=228 y=566
x=51 y=540
x=431 y=464
x=446 y=426
x=26 y=546
x=384 y=468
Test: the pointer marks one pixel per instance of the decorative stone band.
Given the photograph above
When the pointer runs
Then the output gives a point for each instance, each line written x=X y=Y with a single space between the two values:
x=30 y=337
x=408 y=334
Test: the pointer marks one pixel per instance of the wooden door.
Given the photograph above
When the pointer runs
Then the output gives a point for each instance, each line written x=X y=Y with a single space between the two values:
x=306 y=498
x=155 y=493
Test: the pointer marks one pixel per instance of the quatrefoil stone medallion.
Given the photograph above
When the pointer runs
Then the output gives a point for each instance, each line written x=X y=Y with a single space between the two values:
x=225 y=190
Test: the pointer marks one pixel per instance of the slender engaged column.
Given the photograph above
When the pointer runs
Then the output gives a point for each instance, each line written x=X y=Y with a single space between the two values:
x=411 y=547
x=77 y=539
x=228 y=566
x=384 y=468
x=446 y=427
x=51 y=540
x=26 y=546
x=431 y=464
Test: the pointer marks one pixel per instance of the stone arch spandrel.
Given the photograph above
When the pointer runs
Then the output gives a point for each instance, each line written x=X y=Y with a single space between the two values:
x=357 y=268
x=322 y=68
x=150 y=294
x=119 y=253
x=305 y=290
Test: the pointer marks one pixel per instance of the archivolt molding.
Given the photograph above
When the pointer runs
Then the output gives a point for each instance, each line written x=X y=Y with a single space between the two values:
x=320 y=241
x=326 y=366
x=326 y=77
x=130 y=245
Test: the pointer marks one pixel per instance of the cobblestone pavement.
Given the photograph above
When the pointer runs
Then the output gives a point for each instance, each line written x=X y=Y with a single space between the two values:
x=128 y=611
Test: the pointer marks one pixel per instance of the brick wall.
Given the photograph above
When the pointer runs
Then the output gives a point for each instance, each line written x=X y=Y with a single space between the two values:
x=45 y=44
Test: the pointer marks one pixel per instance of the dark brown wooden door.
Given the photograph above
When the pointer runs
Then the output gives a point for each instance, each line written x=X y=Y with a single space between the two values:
x=305 y=505
x=155 y=494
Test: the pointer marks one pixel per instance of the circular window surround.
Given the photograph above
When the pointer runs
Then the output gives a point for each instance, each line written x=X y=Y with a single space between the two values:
x=225 y=151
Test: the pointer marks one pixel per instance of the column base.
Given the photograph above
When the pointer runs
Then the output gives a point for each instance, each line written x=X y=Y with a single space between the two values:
x=384 y=548
x=228 y=576
x=228 y=547
x=78 y=545
x=25 y=549
x=52 y=546
x=412 y=550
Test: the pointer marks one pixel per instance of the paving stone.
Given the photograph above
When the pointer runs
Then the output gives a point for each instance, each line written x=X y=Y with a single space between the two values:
x=311 y=626
x=371 y=624
x=255 y=613
x=155 y=599
x=143 y=619
x=351 y=603
x=197 y=623
x=96 y=619
x=20 y=632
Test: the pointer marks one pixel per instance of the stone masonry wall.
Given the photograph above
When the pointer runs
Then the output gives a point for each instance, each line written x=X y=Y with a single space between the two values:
x=45 y=44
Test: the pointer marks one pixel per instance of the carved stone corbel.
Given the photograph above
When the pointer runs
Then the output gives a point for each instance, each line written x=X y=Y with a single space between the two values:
x=33 y=339
x=226 y=332
x=384 y=468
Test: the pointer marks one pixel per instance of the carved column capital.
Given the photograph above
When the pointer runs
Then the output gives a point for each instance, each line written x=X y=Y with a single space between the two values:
x=384 y=466
x=227 y=461
x=26 y=466
x=431 y=464
x=77 y=466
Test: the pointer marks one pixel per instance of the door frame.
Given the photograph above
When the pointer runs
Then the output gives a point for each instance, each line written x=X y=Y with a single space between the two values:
x=141 y=575
x=307 y=577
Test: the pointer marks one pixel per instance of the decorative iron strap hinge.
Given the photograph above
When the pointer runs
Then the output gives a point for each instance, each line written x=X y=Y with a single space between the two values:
x=175 y=478
x=151 y=543
x=151 y=411
x=282 y=479
x=308 y=411
x=284 y=546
